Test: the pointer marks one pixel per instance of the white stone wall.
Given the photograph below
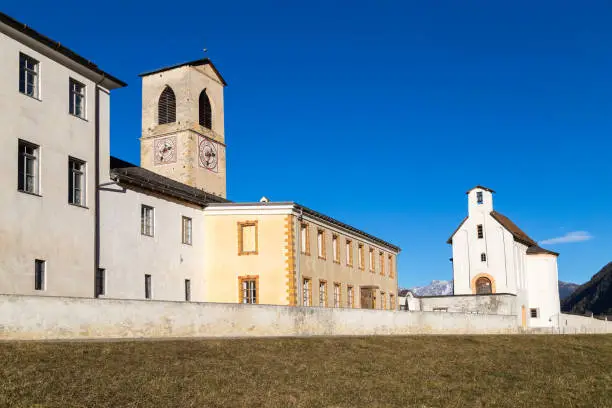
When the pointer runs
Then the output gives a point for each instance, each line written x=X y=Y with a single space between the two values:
x=127 y=255
x=46 y=227
x=33 y=317
x=487 y=304
x=543 y=292
x=573 y=324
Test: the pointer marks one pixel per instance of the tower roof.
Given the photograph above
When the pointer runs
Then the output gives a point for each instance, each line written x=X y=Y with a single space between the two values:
x=195 y=63
x=480 y=187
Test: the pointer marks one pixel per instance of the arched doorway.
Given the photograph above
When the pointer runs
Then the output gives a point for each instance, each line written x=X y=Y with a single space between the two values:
x=483 y=286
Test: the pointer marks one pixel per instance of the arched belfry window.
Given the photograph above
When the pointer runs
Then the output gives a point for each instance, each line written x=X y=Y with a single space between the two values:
x=483 y=286
x=166 y=107
x=205 y=110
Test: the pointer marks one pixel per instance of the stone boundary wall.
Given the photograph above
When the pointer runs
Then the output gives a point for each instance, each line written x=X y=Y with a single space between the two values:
x=500 y=304
x=43 y=317
x=574 y=324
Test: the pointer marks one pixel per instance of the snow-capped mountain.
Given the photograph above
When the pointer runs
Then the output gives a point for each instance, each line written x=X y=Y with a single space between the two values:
x=435 y=288
x=445 y=287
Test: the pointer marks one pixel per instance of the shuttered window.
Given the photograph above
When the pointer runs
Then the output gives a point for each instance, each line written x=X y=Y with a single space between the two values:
x=205 y=111
x=166 y=107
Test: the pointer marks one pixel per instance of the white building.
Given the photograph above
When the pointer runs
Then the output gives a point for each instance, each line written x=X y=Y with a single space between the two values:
x=54 y=111
x=491 y=255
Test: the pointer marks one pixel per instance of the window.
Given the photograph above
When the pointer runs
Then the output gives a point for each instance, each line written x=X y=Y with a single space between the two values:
x=337 y=289
x=361 y=255
x=350 y=297
x=76 y=181
x=372 y=264
x=381 y=257
x=335 y=248
x=187 y=230
x=483 y=257
x=305 y=239
x=77 y=98
x=100 y=282
x=307 y=292
x=479 y=199
x=391 y=270
x=480 y=231
x=28 y=167
x=440 y=309
x=349 y=252
x=166 y=107
x=483 y=286
x=534 y=313
x=147 y=222
x=321 y=243
x=188 y=290
x=322 y=293
x=247 y=238
x=28 y=76
x=205 y=111
x=383 y=301
x=40 y=267
x=392 y=305
x=249 y=289
x=147 y=286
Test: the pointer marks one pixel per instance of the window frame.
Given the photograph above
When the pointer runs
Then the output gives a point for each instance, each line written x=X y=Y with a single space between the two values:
x=242 y=291
x=186 y=230
x=146 y=229
x=480 y=231
x=350 y=296
x=381 y=259
x=321 y=250
x=306 y=291
x=167 y=105
x=305 y=238
x=392 y=305
x=148 y=286
x=241 y=226
x=483 y=257
x=205 y=116
x=338 y=295
x=25 y=72
x=372 y=260
x=73 y=175
x=348 y=245
x=479 y=198
x=335 y=249
x=391 y=270
x=323 y=295
x=383 y=300
x=531 y=313
x=40 y=275
x=361 y=256
x=24 y=158
x=187 y=290
x=100 y=282
x=77 y=92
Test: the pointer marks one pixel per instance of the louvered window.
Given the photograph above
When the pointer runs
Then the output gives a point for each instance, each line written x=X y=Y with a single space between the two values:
x=166 y=108
x=205 y=110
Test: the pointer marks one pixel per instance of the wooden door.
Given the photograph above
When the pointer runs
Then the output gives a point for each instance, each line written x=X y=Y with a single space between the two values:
x=367 y=298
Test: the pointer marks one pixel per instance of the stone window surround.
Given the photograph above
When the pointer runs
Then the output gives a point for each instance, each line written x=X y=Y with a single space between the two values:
x=241 y=225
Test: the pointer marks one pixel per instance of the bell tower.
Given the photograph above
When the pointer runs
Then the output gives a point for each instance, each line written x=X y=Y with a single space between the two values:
x=183 y=135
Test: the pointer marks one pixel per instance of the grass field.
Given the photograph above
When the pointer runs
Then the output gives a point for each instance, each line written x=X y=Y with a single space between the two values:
x=471 y=371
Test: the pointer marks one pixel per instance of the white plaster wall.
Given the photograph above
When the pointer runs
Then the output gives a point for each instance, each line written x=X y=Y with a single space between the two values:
x=488 y=304
x=543 y=289
x=573 y=324
x=46 y=227
x=33 y=317
x=127 y=255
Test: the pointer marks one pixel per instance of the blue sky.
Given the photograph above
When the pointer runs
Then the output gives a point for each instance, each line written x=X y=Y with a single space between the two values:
x=382 y=114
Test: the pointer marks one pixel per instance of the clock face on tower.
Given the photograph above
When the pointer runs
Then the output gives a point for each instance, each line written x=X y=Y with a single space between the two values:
x=208 y=155
x=165 y=150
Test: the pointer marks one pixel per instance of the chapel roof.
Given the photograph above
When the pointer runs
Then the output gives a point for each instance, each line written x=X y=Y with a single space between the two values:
x=128 y=173
x=519 y=235
x=480 y=187
x=195 y=63
x=53 y=45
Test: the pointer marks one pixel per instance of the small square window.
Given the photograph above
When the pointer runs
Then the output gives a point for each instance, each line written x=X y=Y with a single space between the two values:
x=77 y=98
x=480 y=231
x=534 y=313
x=28 y=76
x=40 y=269
x=479 y=199
x=249 y=289
x=100 y=282
x=76 y=181
x=483 y=257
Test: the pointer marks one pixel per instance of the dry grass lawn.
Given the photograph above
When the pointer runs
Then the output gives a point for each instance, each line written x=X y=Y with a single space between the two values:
x=438 y=371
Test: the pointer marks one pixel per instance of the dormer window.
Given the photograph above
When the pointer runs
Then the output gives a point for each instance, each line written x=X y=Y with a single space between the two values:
x=479 y=199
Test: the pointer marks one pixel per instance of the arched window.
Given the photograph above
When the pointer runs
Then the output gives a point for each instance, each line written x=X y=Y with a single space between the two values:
x=483 y=286
x=166 y=107
x=205 y=110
